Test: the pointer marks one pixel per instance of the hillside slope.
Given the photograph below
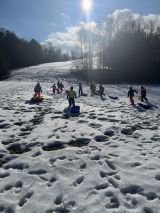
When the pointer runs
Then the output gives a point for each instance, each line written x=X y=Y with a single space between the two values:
x=105 y=160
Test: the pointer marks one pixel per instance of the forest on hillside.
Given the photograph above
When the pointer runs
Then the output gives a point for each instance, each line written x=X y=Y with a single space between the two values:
x=17 y=52
x=123 y=48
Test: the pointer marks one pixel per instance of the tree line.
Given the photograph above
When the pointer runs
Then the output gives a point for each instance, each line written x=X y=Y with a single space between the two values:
x=16 y=52
x=124 y=49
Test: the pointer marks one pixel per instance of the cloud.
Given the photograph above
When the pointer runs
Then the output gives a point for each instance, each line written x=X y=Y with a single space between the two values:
x=64 y=16
x=69 y=40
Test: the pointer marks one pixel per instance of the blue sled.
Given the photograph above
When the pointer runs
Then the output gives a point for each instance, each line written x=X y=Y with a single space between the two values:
x=145 y=106
x=72 y=111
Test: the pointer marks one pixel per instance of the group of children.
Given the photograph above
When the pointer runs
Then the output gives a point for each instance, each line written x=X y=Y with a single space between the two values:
x=71 y=94
x=97 y=92
x=132 y=91
x=58 y=88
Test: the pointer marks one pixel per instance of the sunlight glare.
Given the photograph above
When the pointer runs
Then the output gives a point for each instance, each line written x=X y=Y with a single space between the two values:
x=87 y=4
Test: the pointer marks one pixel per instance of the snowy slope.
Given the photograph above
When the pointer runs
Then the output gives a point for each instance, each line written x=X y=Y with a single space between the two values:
x=105 y=160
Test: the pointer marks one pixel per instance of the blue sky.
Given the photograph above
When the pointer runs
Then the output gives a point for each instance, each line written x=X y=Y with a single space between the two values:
x=39 y=18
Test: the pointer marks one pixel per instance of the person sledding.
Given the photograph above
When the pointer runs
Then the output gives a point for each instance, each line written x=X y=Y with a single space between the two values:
x=93 y=88
x=80 y=90
x=54 y=88
x=143 y=94
x=71 y=95
x=37 y=90
x=72 y=109
x=61 y=86
x=101 y=91
x=131 y=95
x=58 y=87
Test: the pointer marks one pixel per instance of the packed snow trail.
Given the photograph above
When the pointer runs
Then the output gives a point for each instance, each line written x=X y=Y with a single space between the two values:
x=105 y=160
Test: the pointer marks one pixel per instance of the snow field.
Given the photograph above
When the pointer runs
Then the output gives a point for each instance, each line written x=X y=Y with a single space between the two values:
x=105 y=160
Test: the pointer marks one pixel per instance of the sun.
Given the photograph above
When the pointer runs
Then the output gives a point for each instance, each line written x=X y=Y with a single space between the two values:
x=87 y=4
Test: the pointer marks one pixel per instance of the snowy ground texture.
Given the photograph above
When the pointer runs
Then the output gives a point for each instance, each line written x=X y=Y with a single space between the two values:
x=105 y=160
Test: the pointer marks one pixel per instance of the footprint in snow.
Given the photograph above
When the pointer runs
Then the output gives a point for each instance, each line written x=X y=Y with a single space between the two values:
x=113 y=155
x=136 y=164
x=79 y=142
x=50 y=181
x=127 y=131
x=60 y=209
x=114 y=146
x=95 y=157
x=83 y=166
x=17 y=187
x=132 y=189
x=117 y=177
x=92 y=116
x=112 y=200
x=157 y=177
x=5 y=126
x=150 y=195
x=103 y=174
x=8 y=141
x=35 y=154
x=95 y=125
x=113 y=182
x=101 y=186
x=18 y=148
x=102 y=119
x=37 y=172
x=58 y=200
x=82 y=121
x=56 y=145
x=78 y=181
x=25 y=198
x=109 y=132
x=71 y=204
x=101 y=138
x=4 y=174
x=111 y=165
x=2 y=208
x=147 y=210
x=95 y=148
x=17 y=165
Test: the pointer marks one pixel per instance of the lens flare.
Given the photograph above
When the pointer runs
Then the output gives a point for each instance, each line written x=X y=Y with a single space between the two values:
x=87 y=4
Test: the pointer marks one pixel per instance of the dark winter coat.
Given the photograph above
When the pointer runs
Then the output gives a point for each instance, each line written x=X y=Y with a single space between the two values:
x=101 y=89
x=131 y=92
x=143 y=92
x=38 y=88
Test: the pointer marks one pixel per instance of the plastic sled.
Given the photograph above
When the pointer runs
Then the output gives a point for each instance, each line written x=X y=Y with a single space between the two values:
x=145 y=106
x=84 y=94
x=37 y=99
x=72 y=111
x=113 y=97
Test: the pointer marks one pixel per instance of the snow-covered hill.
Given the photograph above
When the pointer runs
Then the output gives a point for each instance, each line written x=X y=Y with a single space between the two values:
x=105 y=160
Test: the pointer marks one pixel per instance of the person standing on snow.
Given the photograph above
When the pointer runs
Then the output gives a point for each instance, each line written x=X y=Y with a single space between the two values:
x=93 y=88
x=58 y=84
x=80 y=89
x=54 y=88
x=61 y=86
x=131 y=94
x=37 y=90
x=101 y=91
x=143 y=94
x=71 y=95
